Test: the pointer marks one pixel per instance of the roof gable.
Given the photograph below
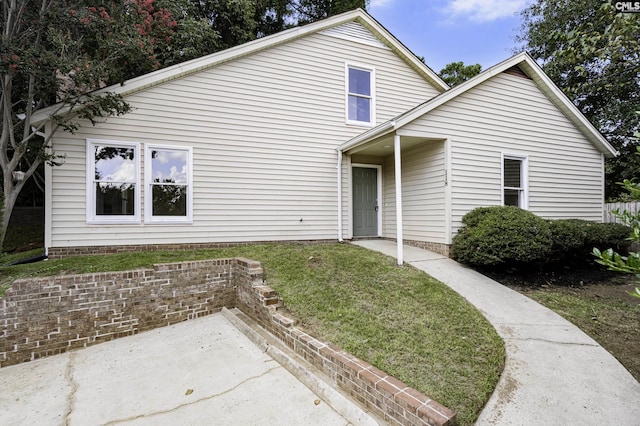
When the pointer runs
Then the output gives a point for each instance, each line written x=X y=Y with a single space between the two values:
x=521 y=65
x=356 y=25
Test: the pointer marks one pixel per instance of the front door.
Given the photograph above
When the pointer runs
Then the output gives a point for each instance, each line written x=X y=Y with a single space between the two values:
x=365 y=202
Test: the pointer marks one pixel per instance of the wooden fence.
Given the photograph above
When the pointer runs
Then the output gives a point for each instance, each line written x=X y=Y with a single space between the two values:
x=609 y=217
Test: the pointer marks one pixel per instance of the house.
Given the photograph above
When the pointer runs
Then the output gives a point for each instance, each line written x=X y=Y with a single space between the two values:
x=329 y=131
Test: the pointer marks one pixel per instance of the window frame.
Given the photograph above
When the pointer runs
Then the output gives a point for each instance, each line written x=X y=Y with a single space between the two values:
x=372 y=97
x=149 y=218
x=90 y=190
x=523 y=190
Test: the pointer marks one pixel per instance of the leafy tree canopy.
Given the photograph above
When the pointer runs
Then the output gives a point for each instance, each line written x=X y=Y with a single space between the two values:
x=457 y=72
x=60 y=52
x=592 y=53
x=313 y=10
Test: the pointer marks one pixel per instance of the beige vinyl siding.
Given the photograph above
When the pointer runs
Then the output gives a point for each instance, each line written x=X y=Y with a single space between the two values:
x=509 y=114
x=423 y=193
x=263 y=128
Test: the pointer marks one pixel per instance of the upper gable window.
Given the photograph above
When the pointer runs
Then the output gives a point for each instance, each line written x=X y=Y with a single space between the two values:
x=168 y=191
x=360 y=82
x=113 y=182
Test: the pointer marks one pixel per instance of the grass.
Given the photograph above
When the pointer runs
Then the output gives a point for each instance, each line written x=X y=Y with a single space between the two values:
x=397 y=318
x=21 y=238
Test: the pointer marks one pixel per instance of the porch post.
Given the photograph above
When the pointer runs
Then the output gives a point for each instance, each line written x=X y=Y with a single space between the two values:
x=340 y=197
x=398 y=173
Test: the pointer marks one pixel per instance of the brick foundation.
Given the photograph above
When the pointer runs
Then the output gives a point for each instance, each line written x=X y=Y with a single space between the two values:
x=51 y=315
x=62 y=252
x=440 y=248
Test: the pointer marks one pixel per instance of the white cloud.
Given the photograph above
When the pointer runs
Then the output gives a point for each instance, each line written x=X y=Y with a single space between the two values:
x=173 y=175
x=125 y=172
x=179 y=177
x=484 y=10
x=164 y=157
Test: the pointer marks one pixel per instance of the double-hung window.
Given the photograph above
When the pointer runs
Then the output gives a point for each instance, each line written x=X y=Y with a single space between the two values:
x=360 y=88
x=168 y=184
x=113 y=182
x=514 y=181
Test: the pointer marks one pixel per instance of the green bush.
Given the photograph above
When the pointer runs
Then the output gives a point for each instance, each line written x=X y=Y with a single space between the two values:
x=500 y=235
x=574 y=239
x=569 y=237
x=610 y=235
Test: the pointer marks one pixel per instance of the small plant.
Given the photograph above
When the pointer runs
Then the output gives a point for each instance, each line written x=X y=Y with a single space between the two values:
x=501 y=235
x=611 y=258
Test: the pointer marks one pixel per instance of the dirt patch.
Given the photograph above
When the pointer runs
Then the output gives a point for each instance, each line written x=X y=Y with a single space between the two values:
x=596 y=300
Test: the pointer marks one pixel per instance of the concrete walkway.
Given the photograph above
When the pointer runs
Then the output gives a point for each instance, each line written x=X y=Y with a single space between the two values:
x=554 y=374
x=199 y=372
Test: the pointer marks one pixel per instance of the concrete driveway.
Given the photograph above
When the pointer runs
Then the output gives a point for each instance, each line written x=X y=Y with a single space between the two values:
x=199 y=372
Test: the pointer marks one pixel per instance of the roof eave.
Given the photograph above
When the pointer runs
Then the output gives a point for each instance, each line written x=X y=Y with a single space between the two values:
x=539 y=78
x=194 y=65
x=179 y=70
x=567 y=107
x=363 y=138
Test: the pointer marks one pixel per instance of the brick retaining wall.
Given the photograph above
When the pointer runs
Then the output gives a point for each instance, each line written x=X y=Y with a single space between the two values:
x=51 y=315
x=387 y=396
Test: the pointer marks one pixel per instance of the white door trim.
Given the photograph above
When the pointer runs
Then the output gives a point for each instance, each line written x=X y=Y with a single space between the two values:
x=378 y=195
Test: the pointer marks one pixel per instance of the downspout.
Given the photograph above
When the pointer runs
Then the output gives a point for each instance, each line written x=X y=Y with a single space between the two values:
x=340 y=197
x=48 y=194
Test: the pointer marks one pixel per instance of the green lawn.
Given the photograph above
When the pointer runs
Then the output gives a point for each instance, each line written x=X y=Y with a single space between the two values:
x=397 y=318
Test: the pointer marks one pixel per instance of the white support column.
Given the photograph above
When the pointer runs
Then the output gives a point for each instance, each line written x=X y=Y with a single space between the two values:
x=48 y=195
x=340 y=196
x=398 y=173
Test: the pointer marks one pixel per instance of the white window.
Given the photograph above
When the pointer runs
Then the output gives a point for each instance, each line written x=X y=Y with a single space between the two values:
x=360 y=88
x=113 y=182
x=514 y=181
x=168 y=184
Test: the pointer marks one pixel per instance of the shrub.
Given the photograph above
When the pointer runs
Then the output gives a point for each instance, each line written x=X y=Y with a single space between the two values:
x=493 y=236
x=569 y=238
x=610 y=235
x=574 y=239
x=568 y=235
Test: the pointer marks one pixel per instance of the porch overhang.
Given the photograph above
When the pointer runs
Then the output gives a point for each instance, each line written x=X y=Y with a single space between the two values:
x=382 y=141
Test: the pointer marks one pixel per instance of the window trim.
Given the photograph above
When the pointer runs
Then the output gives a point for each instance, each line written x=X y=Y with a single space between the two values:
x=372 y=81
x=149 y=218
x=90 y=198
x=523 y=191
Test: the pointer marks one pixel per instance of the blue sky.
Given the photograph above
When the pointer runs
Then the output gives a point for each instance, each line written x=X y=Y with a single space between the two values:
x=444 y=31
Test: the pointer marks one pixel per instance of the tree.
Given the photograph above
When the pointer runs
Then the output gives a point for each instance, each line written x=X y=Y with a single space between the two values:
x=457 y=72
x=207 y=26
x=314 y=10
x=592 y=53
x=59 y=53
x=273 y=16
